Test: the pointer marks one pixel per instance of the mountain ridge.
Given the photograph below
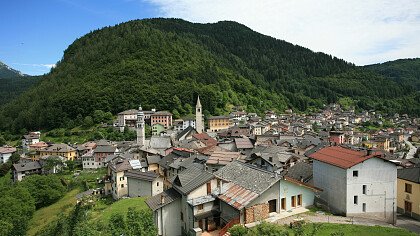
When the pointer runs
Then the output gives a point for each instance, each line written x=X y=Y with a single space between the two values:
x=165 y=63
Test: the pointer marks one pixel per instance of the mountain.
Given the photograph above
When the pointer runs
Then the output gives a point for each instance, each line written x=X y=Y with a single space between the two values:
x=6 y=72
x=13 y=83
x=403 y=71
x=166 y=63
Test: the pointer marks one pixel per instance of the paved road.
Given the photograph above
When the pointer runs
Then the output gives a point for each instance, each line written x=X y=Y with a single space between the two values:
x=408 y=223
x=412 y=150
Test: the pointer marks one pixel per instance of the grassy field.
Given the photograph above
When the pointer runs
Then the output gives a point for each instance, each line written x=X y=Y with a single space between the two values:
x=105 y=208
x=48 y=214
x=359 y=230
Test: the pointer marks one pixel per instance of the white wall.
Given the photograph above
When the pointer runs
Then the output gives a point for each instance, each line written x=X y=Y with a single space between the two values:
x=156 y=189
x=288 y=189
x=270 y=194
x=380 y=178
x=4 y=157
x=332 y=180
x=171 y=215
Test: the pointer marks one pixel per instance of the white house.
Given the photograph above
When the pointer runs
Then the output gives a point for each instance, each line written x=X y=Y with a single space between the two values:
x=6 y=153
x=356 y=183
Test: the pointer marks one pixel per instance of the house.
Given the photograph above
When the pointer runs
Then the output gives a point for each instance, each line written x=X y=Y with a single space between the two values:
x=23 y=169
x=117 y=169
x=187 y=133
x=356 y=182
x=217 y=123
x=143 y=184
x=408 y=192
x=243 y=144
x=336 y=137
x=29 y=139
x=188 y=122
x=162 y=117
x=127 y=118
x=246 y=193
x=157 y=129
x=51 y=164
x=6 y=153
x=219 y=159
x=63 y=150
x=273 y=158
x=198 y=209
x=167 y=213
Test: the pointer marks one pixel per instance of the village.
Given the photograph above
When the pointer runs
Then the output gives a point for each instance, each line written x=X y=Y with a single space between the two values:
x=205 y=174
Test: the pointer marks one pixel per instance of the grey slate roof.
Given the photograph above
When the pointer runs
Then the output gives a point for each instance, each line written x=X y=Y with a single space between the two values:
x=247 y=176
x=160 y=142
x=169 y=196
x=410 y=174
x=105 y=149
x=137 y=174
x=33 y=165
x=300 y=170
x=153 y=159
x=190 y=179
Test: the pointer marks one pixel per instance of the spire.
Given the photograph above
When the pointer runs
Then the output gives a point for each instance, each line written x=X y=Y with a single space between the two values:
x=198 y=101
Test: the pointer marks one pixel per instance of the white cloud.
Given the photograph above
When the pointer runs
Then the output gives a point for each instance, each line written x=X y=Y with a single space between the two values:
x=49 y=66
x=360 y=31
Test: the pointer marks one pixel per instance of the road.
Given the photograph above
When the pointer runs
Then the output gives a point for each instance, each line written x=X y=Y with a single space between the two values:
x=408 y=223
x=412 y=150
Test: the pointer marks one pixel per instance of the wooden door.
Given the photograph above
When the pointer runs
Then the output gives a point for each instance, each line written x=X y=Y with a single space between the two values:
x=299 y=200
x=272 y=205
x=209 y=188
x=293 y=201
x=407 y=207
x=200 y=224
x=283 y=203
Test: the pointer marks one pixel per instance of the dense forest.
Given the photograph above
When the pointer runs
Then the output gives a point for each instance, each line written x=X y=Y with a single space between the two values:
x=6 y=72
x=10 y=88
x=166 y=63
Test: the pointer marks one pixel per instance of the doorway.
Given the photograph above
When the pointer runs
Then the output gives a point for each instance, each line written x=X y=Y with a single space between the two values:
x=283 y=203
x=272 y=205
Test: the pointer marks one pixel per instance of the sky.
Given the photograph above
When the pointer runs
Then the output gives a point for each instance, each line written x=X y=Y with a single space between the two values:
x=34 y=33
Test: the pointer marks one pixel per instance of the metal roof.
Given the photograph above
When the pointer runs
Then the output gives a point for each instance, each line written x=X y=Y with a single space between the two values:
x=243 y=143
x=168 y=195
x=236 y=195
x=137 y=174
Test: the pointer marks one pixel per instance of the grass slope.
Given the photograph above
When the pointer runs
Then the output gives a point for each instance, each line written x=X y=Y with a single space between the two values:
x=347 y=229
x=45 y=215
x=102 y=211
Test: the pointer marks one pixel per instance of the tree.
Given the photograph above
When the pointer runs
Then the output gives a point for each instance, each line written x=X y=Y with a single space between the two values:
x=88 y=121
x=14 y=158
x=2 y=140
x=238 y=230
x=117 y=224
x=46 y=189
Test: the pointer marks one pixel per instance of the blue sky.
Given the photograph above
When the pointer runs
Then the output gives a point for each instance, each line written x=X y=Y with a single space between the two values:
x=34 y=34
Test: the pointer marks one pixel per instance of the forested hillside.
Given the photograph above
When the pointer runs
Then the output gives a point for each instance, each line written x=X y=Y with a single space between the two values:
x=404 y=71
x=11 y=88
x=6 y=72
x=166 y=63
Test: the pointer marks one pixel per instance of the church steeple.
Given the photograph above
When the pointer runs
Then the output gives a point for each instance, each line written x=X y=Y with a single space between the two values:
x=140 y=127
x=199 y=116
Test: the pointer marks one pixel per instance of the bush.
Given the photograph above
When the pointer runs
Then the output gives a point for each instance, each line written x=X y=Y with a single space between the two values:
x=238 y=230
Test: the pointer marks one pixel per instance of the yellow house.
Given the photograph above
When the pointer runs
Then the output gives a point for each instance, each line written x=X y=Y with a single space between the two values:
x=217 y=123
x=63 y=150
x=408 y=190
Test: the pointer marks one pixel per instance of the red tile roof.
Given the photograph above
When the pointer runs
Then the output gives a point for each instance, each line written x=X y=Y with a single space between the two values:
x=342 y=157
x=206 y=139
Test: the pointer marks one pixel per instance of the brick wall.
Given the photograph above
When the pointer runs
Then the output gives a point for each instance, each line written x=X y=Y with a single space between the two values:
x=256 y=213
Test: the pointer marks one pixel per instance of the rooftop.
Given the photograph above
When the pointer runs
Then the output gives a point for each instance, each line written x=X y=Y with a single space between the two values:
x=342 y=157
x=410 y=174
x=168 y=196
x=137 y=174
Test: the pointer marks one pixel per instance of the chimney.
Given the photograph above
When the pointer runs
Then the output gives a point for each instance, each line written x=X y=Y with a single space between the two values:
x=301 y=178
x=162 y=199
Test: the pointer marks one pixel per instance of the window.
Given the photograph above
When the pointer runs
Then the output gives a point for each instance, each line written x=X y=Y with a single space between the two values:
x=157 y=184
x=364 y=207
x=182 y=216
x=122 y=185
x=293 y=201
x=355 y=198
x=200 y=207
x=408 y=188
x=355 y=173
x=299 y=200
x=364 y=189
x=270 y=159
x=209 y=188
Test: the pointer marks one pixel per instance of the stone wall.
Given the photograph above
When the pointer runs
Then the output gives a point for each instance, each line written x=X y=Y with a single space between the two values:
x=256 y=213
